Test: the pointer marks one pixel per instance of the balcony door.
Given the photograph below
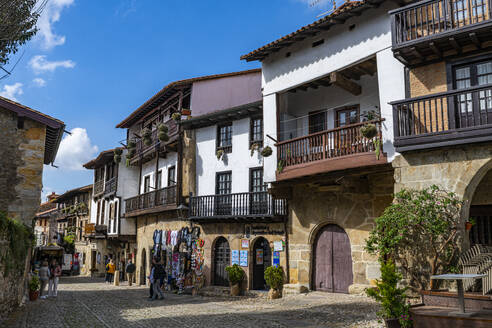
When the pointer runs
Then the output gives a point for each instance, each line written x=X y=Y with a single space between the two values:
x=223 y=190
x=258 y=196
x=474 y=108
x=345 y=137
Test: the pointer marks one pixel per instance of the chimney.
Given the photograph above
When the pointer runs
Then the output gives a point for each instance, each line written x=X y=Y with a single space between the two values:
x=52 y=196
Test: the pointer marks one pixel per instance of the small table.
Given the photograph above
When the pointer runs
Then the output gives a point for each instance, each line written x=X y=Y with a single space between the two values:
x=461 y=294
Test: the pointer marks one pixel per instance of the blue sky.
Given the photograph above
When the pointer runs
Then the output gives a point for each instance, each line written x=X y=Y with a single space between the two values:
x=94 y=62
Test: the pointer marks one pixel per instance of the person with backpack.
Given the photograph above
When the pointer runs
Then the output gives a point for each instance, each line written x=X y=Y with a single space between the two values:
x=110 y=269
x=130 y=271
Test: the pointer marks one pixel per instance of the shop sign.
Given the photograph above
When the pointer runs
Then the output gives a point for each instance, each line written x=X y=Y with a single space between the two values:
x=259 y=256
x=278 y=246
x=243 y=258
x=244 y=243
x=276 y=259
x=262 y=230
x=234 y=257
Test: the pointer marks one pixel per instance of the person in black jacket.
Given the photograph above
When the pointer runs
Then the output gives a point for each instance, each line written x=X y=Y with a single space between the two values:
x=130 y=271
x=159 y=274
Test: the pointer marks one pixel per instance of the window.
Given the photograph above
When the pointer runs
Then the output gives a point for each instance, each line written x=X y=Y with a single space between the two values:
x=348 y=115
x=224 y=137
x=317 y=121
x=159 y=179
x=258 y=197
x=147 y=184
x=256 y=180
x=223 y=189
x=256 y=131
x=171 y=176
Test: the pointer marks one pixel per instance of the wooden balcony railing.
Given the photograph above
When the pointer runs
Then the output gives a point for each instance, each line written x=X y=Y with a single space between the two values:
x=446 y=118
x=98 y=187
x=246 y=204
x=428 y=18
x=161 y=197
x=110 y=186
x=329 y=144
x=141 y=148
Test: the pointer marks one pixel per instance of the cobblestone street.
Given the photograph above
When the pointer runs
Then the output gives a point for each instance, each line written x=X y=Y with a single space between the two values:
x=83 y=302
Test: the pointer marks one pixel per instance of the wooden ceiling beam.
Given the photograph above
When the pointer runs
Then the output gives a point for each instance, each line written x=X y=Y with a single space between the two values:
x=339 y=80
x=455 y=45
x=475 y=40
x=435 y=50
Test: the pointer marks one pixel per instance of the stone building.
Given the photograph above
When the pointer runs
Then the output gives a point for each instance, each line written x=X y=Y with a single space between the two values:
x=442 y=123
x=28 y=140
x=45 y=225
x=321 y=84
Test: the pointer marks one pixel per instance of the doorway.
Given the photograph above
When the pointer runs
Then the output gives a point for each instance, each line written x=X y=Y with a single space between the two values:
x=332 y=260
x=222 y=259
x=262 y=259
x=143 y=271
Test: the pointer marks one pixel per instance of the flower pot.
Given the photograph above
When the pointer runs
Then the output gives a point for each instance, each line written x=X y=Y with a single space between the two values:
x=33 y=295
x=392 y=323
x=468 y=226
x=273 y=294
x=235 y=290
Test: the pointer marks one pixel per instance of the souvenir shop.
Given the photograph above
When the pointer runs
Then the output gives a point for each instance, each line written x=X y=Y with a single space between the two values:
x=181 y=252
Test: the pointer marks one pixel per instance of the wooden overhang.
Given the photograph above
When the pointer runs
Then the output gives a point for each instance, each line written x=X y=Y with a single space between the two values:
x=239 y=219
x=338 y=16
x=166 y=92
x=103 y=158
x=69 y=194
x=54 y=127
x=235 y=113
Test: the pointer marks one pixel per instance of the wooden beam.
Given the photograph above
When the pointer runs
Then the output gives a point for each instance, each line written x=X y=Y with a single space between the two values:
x=416 y=53
x=475 y=40
x=349 y=73
x=339 y=80
x=455 y=44
x=399 y=56
x=434 y=49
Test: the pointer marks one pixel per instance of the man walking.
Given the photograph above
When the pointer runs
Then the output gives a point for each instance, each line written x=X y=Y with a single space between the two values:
x=130 y=271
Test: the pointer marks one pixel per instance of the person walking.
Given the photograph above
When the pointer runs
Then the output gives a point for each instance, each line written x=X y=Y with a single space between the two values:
x=55 y=273
x=157 y=274
x=44 y=277
x=130 y=271
x=110 y=268
x=151 y=279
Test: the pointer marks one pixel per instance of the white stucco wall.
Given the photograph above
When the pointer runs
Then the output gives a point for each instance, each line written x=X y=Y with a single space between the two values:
x=148 y=169
x=127 y=181
x=239 y=161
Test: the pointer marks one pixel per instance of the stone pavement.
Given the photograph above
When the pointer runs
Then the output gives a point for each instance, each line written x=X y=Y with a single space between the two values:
x=85 y=302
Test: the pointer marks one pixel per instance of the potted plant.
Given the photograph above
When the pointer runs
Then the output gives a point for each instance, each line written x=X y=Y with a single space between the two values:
x=162 y=136
x=280 y=166
x=176 y=116
x=274 y=277
x=469 y=224
x=117 y=155
x=146 y=136
x=236 y=276
x=219 y=154
x=34 y=288
x=266 y=152
x=394 y=308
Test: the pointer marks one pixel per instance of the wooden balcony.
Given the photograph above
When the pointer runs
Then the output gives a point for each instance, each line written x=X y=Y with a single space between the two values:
x=151 y=202
x=238 y=206
x=110 y=186
x=326 y=151
x=143 y=152
x=433 y=29
x=98 y=188
x=443 y=119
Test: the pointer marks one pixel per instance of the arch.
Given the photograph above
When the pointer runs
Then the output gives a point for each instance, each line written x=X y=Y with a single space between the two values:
x=472 y=185
x=261 y=259
x=143 y=268
x=222 y=259
x=331 y=260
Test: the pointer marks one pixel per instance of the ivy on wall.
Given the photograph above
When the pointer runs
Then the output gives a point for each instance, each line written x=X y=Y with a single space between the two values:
x=19 y=238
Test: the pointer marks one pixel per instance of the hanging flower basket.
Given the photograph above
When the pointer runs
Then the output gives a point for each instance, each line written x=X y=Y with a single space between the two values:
x=176 y=116
x=219 y=154
x=266 y=152
x=162 y=135
x=131 y=144
x=162 y=128
x=117 y=159
x=369 y=131
x=147 y=141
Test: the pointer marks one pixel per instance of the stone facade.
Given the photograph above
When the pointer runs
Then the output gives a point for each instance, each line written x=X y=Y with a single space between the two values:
x=428 y=79
x=21 y=161
x=353 y=207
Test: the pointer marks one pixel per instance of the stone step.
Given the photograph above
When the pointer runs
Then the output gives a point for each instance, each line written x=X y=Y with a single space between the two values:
x=294 y=289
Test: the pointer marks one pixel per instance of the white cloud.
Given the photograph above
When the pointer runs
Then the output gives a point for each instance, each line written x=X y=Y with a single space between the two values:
x=12 y=91
x=75 y=149
x=39 y=82
x=40 y=64
x=49 y=16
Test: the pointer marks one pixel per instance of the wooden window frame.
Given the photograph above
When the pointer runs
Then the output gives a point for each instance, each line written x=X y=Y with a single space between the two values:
x=316 y=112
x=228 y=148
x=346 y=108
x=252 y=140
x=146 y=185
x=217 y=174
x=169 y=170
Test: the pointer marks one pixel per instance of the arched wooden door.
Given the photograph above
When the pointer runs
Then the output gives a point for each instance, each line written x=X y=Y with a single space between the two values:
x=262 y=259
x=143 y=271
x=332 y=260
x=222 y=259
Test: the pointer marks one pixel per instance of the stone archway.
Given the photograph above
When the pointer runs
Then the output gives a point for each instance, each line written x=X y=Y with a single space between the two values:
x=332 y=260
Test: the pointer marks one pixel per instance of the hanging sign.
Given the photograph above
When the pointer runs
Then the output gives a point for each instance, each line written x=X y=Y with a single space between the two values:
x=276 y=259
x=259 y=256
x=244 y=243
x=278 y=246
x=243 y=258
x=234 y=257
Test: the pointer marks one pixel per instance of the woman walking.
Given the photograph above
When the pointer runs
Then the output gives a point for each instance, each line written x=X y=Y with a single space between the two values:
x=111 y=269
x=44 y=276
x=55 y=273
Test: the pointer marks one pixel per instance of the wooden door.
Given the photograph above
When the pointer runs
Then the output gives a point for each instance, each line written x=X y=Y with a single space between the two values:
x=481 y=232
x=262 y=259
x=332 y=261
x=222 y=259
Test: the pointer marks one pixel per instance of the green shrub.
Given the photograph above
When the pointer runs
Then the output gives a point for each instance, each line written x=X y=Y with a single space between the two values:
x=20 y=238
x=118 y=151
x=274 y=277
x=34 y=284
x=235 y=273
x=390 y=296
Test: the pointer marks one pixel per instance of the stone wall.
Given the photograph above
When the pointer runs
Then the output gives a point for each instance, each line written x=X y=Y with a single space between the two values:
x=353 y=207
x=21 y=160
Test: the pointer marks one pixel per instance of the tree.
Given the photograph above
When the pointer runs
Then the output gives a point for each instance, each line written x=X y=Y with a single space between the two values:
x=17 y=24
x=420 y=233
